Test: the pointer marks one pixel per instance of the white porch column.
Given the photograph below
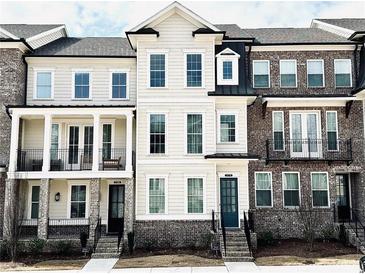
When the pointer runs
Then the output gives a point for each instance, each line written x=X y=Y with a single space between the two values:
x=14 y=142
x=96 y=142
x=129 y=144
x=47 y=142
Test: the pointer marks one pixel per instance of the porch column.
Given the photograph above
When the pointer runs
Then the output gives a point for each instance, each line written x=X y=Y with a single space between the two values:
x=94 y=206
x=96 y=138
x=43 y=209
x=129 y=144
x=12 y=208
x=47 y=142
x=14 y=142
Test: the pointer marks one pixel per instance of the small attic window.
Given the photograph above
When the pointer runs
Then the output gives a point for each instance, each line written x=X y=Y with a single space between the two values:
x=227 y=67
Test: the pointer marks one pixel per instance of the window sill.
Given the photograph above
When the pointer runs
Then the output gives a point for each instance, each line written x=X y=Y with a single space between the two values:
x=81 y=99
x=153 y=88
x=261 y=87
x=228 y=143
x=119 y=99
x=289 y=87
x=317 y=87
x=347 y=87
x=193 y=88
x=43 y=99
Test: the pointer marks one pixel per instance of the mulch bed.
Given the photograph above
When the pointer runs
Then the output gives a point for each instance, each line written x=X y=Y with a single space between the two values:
x=198 y=252
x=31 y=259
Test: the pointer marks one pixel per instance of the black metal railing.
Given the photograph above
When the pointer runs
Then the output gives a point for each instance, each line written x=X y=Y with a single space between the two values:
x=112 y=158
x=69 y=159
x=29 y=159
x=28 y=228
x=356 y=224
x=309 y=149
x=97 y=234
x=120 y=232
x=214 y=229
x=67 y=228
x=247 y=232
x=223 y=228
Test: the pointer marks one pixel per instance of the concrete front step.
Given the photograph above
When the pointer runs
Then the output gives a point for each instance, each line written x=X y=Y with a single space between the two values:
x=104 y=255
x=108 y=245
x=108 y=240
x=238 y=259
x=237 y=254
x=236 y=249
x=100 y=249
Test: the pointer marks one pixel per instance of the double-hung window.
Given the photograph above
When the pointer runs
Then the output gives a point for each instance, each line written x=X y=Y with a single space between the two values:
x=315 y=71
x=261 y=74
x=263 y=185
x=343 y=76
x=227 y=128
x=157 y=133
x=156 y=195
x=55 y=141
x=288 y=73
x=194 y=70
x=34 y=209
x=319 y=189
x=119 y=85
x=78 y=201
x=332 y=130
x=157 y=70
x=291 y=189
x=82 y=85
x=278 y=129
x=227 y=70
x=44 y=85
x=194 y=133
x=195 y=194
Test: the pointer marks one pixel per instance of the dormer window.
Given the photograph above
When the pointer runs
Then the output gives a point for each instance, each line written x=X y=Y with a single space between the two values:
x=227 y=67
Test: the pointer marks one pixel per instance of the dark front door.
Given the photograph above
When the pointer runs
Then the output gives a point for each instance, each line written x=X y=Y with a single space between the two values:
x=343 y=197
x=116 y=208
x=229 y=201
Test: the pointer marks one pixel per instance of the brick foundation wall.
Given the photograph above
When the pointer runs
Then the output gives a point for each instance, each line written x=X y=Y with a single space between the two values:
x=2 y=201
x=172 y=234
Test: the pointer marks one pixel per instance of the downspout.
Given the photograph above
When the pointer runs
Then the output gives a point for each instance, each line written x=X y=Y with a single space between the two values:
x=26 y=81
x=248 y=81
x=355 y=63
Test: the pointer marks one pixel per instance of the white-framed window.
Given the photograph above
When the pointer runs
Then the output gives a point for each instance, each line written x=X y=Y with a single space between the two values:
x=119 y=84
x=34 y=201
x=343 y=73
x=315 y=73
x=157 y=195
x=195 y=195
x=291 y=189
x=278 y=130
x=43 y=84
x=227 y=128
x=194 y=69
x=157 y=133
x=194 y=133
x=227 y=67
x=320 y=189
x=55 y=141
x=261 y=73
x=81 y=85
x=288 y=73
x=263 y=189
x=332 y=130
x=78 y=200
x=157 y=75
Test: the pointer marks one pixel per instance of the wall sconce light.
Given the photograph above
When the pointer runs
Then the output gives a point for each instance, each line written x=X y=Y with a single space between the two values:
x=57 y=197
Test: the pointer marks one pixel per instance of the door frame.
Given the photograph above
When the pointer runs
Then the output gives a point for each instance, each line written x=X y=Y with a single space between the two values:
x=235 y=175
x=81 y=138
x=349 y=188
x=109 y=183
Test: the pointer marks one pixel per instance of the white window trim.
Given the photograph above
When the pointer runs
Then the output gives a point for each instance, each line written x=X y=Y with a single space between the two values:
x=194 y=51
x=186 y=134
x=296 y=72
x=300 y=198
x=165 y=53
x=102 y=123
x=324 y=80
x=30 y=188
x=334 y=78
x=338 y=145
x=126 y=71
x=149 y=131
x=253 y=72
x=236 y=131
x=35 y=92
x=272 y=200
x=78 y=183
x=328 y=190
x=165 y=177
x=59 y=136
x=283 y=125
x=227 y=58
x=89 y=71
x=203 y=177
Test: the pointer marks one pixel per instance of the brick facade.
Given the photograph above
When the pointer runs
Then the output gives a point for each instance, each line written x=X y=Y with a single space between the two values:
x=2 y=199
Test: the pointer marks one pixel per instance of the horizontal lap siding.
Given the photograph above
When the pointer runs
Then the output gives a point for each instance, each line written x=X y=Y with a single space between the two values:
x=33 y=134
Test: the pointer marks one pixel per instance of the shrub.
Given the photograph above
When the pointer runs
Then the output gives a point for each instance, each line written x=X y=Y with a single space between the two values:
x=205 y=240
x=150 y=244
x=266 y=238
x=83 y=239
x=4 y=250
x=130 y=242
x=63 y=247
x=36 y=246
x=328 y=233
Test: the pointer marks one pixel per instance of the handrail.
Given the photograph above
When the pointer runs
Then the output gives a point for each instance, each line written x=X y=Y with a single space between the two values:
x=97 y=233
x=223 y=232
x=120 y=232
x=213 y=222
x=247 y=232
x=358 y=223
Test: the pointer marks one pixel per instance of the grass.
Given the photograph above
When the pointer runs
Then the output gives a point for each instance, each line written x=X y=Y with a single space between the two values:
x=44 y=265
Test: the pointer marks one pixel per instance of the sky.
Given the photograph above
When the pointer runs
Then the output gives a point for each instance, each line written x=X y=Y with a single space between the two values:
x=112 y=18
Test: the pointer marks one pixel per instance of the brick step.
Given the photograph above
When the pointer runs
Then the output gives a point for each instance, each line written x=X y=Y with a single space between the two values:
x=237 y=248
x=101 y=249
x=108 y=245
x=235 y=240
x=238 y=259
x=238 y=244
x=108 y=240
x=104 y=255
x=236 y=254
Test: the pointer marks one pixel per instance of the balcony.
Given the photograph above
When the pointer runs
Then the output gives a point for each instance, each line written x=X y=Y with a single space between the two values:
x=339 y=150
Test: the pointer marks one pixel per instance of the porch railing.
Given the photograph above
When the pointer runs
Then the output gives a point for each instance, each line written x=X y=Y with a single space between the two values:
x=68 y=228
x=69 y=159
x=309 y=149
x=247 y=232
x=30 y=159
x=356 y=224
x=112 y=158
x=97 y=233
x=120 y=233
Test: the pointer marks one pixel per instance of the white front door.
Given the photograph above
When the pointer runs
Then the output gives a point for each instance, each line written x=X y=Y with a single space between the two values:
x=305 y=135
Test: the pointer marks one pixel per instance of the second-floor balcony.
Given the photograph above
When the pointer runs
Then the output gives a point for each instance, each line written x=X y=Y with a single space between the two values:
x=309 y=150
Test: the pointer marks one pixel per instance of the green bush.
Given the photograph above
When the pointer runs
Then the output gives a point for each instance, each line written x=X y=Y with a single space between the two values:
x=130 y=242
x=328 y=233
x=4 y=251
x=266 y=238
x=36 y=246
x=83 y=239
x=63 y=247
x=205 y=240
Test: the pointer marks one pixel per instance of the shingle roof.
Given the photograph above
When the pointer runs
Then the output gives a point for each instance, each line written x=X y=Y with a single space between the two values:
x=27 y=31
x=233 y=31
x=294 y=36
x=88 y=46
x=355 y=24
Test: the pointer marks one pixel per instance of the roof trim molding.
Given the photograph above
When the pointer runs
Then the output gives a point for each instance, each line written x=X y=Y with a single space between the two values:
x=229 y=52
x=326 y=26
x=45 y=33
x=10 y=35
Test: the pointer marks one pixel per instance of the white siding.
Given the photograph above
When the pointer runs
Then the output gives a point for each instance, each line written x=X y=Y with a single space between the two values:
x=33 y=134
